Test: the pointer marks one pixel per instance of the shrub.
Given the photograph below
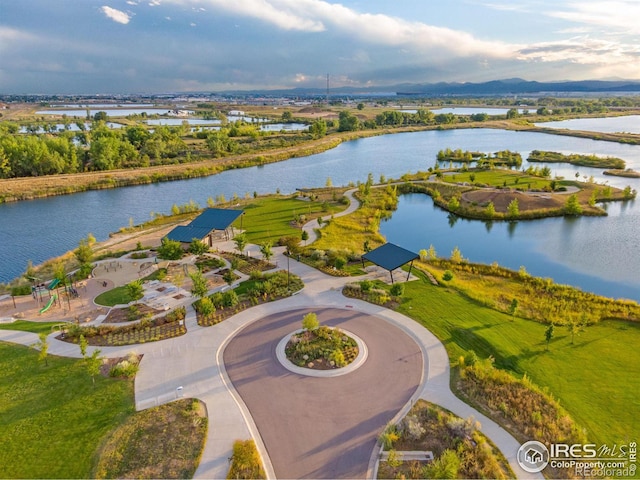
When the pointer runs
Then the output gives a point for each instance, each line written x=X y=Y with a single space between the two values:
x=245 y=461
x=125 y=368
x=412 y=427
x=447 y=276
x=365 y=285
x=310 y=321
x=337 y=357
x=397 y=289
x=170 y=250
x=229 y=298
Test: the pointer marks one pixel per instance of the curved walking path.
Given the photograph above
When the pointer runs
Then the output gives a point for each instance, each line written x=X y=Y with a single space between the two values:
x=192 y=366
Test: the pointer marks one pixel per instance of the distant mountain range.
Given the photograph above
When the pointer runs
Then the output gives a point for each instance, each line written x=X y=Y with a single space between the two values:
x=519 y=86
x=513 y=86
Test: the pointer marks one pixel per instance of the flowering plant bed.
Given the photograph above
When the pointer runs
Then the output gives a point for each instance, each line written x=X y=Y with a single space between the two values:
x=246 y=264
x=130 y=313
x=323 y=348
x=169 y=326
x=260 y=288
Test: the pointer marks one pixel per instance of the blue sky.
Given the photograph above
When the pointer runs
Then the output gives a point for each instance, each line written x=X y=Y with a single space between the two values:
x=153 y=46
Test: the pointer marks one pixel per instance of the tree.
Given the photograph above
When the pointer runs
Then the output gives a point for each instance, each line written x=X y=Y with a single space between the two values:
x=574 y=328
x=318 y=129
x=205 y=307
x=43 y=346
x=199 y=286
x=198 y=247
x=93 y=365
x=456 y=255
x=310 y=321
x=135 y=290
x=513 y=307
x=287 y=116
x=513 y=113
x=241 y=242
x=490 y=210
x=83 y=253
x=513 y=209
x=548 y=334
x=170 y=249
x=304 y=236
x=572 y=205
x=83 y=344
x=347 y=122
x=265 y=250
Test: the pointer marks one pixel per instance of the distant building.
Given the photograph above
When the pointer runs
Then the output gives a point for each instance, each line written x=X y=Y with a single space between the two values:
x=236 y=113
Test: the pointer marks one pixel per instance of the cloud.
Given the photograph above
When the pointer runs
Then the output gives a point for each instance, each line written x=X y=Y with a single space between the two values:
x=620 y=15
x=584 y=51
x=374 y=29
x=117 y=16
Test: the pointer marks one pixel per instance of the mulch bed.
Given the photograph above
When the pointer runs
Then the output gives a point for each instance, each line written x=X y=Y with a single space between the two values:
x=122 y=315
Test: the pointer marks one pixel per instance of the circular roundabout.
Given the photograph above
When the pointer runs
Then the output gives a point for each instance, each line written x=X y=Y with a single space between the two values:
x=314 y=423
x=360 y=358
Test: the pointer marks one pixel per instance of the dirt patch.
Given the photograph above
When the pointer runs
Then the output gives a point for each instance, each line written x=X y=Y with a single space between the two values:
x=127 y=314
x=502 y=198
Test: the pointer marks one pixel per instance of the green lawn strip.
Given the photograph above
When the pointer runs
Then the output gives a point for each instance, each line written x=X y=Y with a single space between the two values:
x=144 y=447
x=52 y=418
x=498 y=178
x=269 y=218
x=596 y=379
x=33 y=327
x=115 y=296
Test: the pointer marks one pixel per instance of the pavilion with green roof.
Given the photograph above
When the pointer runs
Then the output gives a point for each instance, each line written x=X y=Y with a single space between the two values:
x=211 y=223
x=390 y=256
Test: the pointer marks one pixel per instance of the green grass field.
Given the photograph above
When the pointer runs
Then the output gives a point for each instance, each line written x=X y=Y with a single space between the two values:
x=597 y=379
x=269 y=218
x=52 y=418
x=33 y=327
x=115 y=296
x=498 y=178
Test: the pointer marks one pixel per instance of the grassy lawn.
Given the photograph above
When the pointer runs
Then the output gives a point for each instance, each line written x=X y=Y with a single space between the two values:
x=596 y=379
x=269 y=218
x=52 y=418
x=115 y=296
x=498 y=178
x=143 y=446
x=33 y=327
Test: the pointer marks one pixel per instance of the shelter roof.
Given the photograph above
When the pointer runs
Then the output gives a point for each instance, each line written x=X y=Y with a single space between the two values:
x=216 y=218
x=390 y=256
x=186 y=233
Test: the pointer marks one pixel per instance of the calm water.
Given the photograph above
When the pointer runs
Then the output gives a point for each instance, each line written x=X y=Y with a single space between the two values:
x=40 y=229
x=628 y=124
x=559 y=248
x=112 y=112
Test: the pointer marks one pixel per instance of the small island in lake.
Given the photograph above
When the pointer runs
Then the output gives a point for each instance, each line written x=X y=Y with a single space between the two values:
x=629 y=173
x=576 y=159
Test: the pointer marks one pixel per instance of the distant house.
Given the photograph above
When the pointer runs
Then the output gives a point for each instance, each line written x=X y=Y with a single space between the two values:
x=236 y=113
x=211 y=225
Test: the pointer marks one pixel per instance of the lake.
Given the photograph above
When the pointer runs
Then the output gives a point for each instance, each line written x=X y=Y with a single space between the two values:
x=43 y=228
x=112 y=112
x=626 y=124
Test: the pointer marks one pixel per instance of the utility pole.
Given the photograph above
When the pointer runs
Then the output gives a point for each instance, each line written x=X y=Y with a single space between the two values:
x=327 y=89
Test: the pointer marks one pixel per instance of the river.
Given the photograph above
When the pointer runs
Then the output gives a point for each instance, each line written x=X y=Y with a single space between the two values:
x=40 y=229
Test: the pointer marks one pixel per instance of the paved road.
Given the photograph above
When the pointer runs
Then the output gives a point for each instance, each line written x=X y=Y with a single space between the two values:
x=323 y=427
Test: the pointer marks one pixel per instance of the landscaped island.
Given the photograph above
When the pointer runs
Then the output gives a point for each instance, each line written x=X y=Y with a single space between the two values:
x=576 y=159
x=320 y=347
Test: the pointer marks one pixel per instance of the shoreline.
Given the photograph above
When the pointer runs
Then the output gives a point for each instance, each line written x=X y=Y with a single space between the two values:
x=30 y=188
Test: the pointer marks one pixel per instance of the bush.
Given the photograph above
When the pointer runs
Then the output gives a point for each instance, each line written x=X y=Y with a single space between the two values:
x=21 y=290
x=397 y=289
x=310 y=322
x=170 y=250
x=447 y=276
x=365 y=285
x=245 y=461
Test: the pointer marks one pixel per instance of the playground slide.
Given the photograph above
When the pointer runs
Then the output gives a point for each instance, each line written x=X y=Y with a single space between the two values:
x=53 y=284
x=49 y=303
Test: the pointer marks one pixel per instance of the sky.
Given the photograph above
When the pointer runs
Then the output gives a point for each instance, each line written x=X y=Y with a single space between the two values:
x=161 y=46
